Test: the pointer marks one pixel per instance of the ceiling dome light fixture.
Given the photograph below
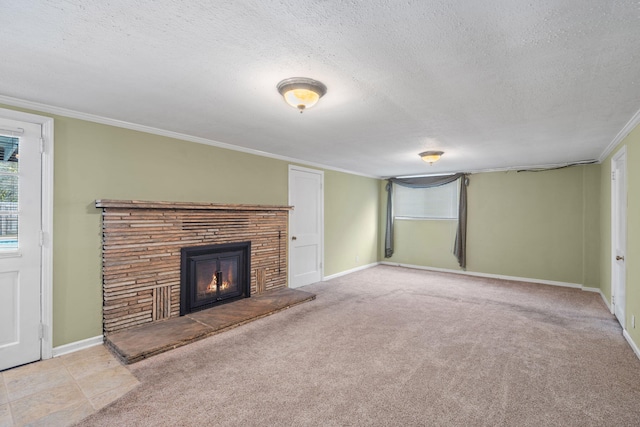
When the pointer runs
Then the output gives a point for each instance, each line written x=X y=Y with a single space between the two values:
x=301 y=92
x=431 y=156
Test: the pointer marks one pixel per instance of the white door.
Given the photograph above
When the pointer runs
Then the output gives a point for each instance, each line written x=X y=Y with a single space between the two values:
x=306 y=223
x=618 y=234
x=20 y=252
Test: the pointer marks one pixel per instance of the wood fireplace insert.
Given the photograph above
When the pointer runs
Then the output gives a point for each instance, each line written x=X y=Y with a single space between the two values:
x=213 y=275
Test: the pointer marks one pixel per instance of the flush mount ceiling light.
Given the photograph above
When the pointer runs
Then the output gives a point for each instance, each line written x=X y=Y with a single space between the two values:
x=431 y=156
x=301 y=92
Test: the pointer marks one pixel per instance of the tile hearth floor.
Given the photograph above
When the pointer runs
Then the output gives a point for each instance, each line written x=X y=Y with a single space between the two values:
x=63 y=390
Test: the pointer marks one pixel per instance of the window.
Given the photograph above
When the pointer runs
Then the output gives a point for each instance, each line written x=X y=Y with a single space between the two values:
x=9 y=157
x=426 y=203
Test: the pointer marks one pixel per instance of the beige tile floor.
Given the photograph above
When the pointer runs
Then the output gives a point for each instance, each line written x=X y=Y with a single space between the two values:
x=63 y=390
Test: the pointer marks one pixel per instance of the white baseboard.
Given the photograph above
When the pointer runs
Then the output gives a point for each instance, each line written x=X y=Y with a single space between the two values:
x=598 y=291
x=486 y=275
x=353 y=270
x=78 y=345
x=606 y=302
x=494 y=276
x=633 y=345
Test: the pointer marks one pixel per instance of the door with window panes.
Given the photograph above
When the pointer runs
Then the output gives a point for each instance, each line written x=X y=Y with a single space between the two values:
x=20 y=250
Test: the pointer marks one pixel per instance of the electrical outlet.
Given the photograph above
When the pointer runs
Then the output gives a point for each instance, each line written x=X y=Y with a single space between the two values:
x=633 y=321
x=357 y=258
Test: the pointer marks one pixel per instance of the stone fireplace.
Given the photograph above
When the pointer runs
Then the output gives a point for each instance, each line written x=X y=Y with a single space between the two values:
x=144 y=245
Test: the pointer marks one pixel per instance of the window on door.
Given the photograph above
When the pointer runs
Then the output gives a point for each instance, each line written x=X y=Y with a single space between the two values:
x=9 y=158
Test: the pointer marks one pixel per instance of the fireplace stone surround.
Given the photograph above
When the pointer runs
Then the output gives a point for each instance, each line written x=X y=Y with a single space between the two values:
x=141 y=252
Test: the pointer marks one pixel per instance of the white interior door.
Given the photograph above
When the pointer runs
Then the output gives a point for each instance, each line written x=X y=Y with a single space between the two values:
x=20 y=251
x=619 y=234
x=306 y=223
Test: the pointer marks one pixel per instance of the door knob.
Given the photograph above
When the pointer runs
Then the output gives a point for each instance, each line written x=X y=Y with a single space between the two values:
x=619 y=258
x=294 y=238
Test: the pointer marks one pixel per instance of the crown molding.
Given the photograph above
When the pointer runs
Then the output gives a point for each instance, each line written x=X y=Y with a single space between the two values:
x=51 y=109
x=60 y=111
x=631 y=124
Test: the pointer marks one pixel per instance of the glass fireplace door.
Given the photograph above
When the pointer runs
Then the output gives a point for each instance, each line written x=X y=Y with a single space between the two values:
x=216 y=278
x=228 y=269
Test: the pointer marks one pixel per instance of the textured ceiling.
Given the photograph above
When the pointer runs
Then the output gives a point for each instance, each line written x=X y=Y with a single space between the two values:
x=494 y=84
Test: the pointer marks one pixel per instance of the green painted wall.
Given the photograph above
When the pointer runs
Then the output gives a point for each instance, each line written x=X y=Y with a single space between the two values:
x=527 y=224
x=633 y=234
x=427 y=243
x=95 y=161
x=591 y=225
x=632 y=258
x=351 y=221
x=605 y=228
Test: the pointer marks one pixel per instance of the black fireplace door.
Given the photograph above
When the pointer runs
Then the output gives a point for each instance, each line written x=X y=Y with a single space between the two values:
x=214 y=277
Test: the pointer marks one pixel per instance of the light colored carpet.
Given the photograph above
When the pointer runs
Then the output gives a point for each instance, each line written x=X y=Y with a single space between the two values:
x=395 y=346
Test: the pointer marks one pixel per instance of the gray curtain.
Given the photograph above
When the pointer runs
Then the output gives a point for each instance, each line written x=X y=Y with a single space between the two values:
x=388 y=237
x=460 y=246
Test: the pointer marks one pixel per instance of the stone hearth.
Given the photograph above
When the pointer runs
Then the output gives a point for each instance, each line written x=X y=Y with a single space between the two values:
x=134 y=344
